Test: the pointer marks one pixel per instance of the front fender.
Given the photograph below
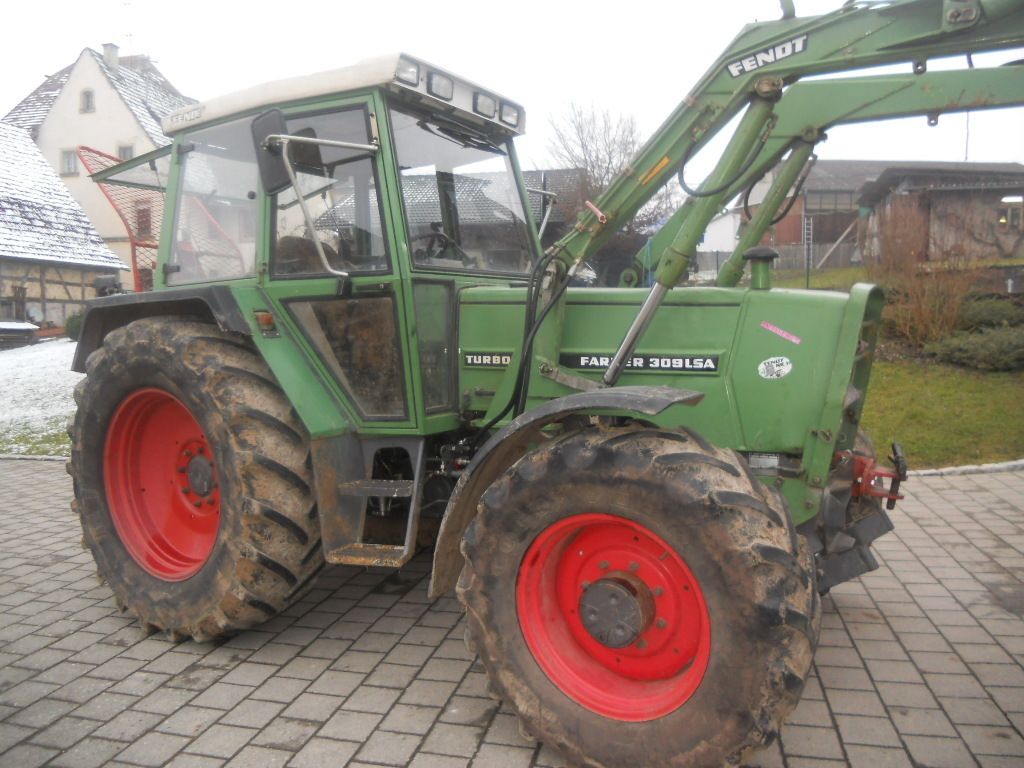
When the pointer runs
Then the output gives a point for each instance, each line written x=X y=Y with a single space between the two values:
x=511 y=442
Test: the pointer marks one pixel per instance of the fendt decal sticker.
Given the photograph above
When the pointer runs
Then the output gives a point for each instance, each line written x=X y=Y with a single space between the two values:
x=583 y=361
x=775 y=368
x=486 y=359
x=768 y=56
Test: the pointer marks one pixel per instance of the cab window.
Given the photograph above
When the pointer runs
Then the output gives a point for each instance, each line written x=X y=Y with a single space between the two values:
x=339 y=187
x=462 y=205
x=216 y=219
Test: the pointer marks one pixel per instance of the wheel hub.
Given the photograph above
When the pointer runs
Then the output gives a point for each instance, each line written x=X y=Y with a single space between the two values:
x=616 y=610
x=200 y=475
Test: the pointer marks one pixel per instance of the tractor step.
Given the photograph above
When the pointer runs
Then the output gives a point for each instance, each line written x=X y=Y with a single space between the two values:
x=376 y=555
x=391 y=489
x=345 y=501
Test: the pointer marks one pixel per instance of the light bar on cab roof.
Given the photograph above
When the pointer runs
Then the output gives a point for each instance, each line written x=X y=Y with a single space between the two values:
x=408 y=71
x=475 y=102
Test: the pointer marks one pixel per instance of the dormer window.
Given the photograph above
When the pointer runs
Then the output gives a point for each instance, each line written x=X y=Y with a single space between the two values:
x=87 y=102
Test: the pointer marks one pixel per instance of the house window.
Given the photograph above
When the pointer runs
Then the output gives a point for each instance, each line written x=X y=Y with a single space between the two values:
x=143 y=222
x=68 y=162
x=1009 y=216
x=88 y=102
x=1009 y=219
x=125 y=152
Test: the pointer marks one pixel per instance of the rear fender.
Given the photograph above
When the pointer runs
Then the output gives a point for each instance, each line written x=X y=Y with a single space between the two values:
x=513 y=441
x=213 y=303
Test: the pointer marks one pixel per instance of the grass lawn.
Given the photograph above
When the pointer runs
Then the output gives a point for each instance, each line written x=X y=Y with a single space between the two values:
x=822 y=279
x=945 y=416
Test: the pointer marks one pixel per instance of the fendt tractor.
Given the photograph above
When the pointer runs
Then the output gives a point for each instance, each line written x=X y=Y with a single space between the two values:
x=356 y=346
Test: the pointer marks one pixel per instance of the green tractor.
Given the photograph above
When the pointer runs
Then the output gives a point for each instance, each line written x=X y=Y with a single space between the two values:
x=356 y=346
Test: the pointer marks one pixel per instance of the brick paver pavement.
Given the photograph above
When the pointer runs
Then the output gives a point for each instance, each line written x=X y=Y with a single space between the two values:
x=920 y=663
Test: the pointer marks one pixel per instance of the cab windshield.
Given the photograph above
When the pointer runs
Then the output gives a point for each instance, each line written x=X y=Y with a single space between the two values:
x=462 y=207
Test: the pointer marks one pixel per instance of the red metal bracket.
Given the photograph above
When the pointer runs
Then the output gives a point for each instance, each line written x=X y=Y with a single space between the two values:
x=866 y=470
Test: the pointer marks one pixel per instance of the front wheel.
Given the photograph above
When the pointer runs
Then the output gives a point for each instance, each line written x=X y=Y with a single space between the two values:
x=639 y=598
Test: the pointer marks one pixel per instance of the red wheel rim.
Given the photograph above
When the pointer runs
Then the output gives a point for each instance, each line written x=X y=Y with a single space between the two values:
x=657 y=672
x=155 y=452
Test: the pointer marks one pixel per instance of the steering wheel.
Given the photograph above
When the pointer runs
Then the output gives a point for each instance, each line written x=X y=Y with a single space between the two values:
x=437 y=243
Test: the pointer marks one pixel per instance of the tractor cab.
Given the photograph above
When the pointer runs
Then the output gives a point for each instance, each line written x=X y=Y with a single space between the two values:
x=360 y=202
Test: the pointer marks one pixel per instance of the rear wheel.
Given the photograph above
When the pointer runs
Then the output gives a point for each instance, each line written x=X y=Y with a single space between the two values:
x=638 y=597
x=192 y=479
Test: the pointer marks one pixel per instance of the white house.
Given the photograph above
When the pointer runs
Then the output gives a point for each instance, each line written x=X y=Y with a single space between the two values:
x=49 y=252
x=109 y=102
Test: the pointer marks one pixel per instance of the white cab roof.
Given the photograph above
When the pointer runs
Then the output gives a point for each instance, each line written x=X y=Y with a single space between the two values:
x=377 y=71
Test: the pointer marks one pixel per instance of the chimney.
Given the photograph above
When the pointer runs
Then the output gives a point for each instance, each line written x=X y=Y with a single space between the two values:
x=110 y=57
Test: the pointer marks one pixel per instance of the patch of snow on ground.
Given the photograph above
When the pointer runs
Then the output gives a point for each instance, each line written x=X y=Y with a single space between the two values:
x=36 y=383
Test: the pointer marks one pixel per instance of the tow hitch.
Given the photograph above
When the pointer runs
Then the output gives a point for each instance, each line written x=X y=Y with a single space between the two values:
x=866 y=471
x=850 y=519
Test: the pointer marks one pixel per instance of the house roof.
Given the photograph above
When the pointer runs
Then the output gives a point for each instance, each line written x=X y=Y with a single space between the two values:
x=852 y=175
x=141 y=86
x=566 y=183
x=944 y=177
x=39 y=219
x=843 y=175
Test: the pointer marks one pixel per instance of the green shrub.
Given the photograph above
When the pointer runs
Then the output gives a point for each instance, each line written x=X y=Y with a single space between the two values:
x=995 y=349
x=73 y=326
x=990 y=312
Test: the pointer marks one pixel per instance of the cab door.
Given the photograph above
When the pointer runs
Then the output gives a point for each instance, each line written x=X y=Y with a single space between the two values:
x=354 y=328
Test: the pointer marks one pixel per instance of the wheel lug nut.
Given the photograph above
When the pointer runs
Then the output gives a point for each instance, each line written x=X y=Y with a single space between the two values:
x=641 y=643
x=186 y=490
x=181 y=470
x=202 y=450
x=188 y=454
x=662 y=623
x=659 y=591
x=584 y=585
x=603 y=565
x=197 y=503
x=634 y=567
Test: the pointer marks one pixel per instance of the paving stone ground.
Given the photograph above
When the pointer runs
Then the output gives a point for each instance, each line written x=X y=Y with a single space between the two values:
x=921 y=663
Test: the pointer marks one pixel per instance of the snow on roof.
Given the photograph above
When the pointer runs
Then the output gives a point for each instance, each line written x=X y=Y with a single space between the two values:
x=33 y=109
x=39 y=219
x=141 y=86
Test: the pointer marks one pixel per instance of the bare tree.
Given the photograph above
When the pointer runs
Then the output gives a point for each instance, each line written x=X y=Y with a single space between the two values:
x=924 y=294
x=595 y=141
x=601 y=144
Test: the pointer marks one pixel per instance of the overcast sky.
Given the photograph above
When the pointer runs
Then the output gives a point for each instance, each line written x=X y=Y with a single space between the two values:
x=640 y=59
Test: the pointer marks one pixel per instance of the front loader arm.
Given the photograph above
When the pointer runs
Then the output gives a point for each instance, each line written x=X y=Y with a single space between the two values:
x=760 y=62
x=808 y=109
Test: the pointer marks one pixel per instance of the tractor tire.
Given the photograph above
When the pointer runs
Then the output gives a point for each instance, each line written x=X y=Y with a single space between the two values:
x=639 y=598
x=192 y=479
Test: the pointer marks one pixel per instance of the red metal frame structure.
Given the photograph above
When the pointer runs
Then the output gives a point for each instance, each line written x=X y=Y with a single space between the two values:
x=130 y=203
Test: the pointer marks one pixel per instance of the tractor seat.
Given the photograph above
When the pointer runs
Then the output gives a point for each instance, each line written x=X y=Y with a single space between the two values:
x=298 y=256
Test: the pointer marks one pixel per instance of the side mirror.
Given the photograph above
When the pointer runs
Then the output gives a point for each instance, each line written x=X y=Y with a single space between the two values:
x=273 y=172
